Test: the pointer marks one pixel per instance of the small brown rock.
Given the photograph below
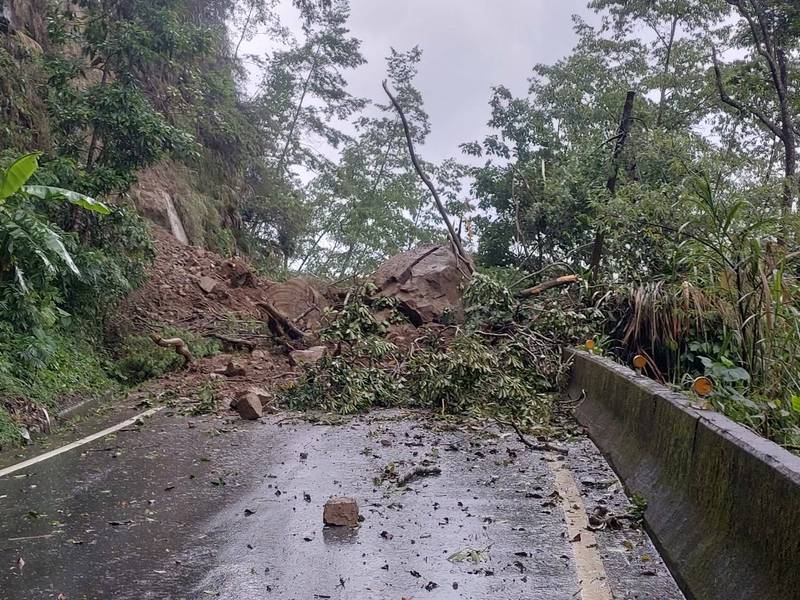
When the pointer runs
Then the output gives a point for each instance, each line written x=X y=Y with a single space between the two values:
x=234 y=369
x=310 y=357
x=207 y=284
x=340 y=511
x=237 y=274
x=249 y=406
x=259 y=354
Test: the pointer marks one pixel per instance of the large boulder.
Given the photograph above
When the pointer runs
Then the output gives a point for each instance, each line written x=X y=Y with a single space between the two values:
x=427 y=282
x=299 y=299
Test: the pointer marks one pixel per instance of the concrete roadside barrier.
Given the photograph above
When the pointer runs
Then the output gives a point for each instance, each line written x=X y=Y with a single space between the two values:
x=723 y=504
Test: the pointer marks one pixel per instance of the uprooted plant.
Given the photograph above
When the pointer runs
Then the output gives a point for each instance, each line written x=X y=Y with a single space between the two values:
x=495 y=360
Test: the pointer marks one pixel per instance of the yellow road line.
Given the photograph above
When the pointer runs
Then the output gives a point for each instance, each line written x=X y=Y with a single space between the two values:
x=591 y=573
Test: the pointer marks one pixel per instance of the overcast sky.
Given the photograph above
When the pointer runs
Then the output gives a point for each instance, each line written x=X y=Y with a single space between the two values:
x=468 y=46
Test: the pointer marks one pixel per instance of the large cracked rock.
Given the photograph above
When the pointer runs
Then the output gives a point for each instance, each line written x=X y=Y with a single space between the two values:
x=426 y=281
x=299 y=299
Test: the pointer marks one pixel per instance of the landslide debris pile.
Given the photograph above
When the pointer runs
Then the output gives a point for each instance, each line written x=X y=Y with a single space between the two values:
x=200 y=291
x=422 y=331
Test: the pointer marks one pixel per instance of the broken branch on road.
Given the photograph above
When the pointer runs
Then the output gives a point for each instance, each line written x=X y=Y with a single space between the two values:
x=416 y=473
x=542 y=446
x=177 y=343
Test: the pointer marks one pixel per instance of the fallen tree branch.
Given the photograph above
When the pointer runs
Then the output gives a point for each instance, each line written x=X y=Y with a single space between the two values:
x=538 y=289
x=454 y=238
x=177 y=343
x=542 y=447
x=417 y=472
x=284 y=324
x=232 y=340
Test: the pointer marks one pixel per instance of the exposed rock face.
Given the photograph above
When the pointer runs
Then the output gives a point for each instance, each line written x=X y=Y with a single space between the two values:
x=25 y=15
x=155 y=194
x=426 y=281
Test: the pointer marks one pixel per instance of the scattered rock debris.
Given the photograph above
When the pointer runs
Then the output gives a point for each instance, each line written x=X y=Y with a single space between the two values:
x=267 y=329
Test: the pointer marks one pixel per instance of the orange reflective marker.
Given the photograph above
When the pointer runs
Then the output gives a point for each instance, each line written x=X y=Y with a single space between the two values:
x=639 y=362
x=702 y=386
x=590 y=344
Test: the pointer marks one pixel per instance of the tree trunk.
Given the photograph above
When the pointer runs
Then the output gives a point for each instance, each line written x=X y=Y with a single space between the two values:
x=790 y=183
x=296 y=116
x=245 y=27
x=765 y=42
x=455 y=240
x=665 y=72
x=611 y=183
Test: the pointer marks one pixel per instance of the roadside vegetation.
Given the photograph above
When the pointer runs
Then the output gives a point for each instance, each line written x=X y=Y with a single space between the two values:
x=657 y=162
x=494 y=363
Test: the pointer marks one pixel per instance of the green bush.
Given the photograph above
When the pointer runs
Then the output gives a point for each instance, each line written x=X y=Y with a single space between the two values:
x=491 y=362
x=47 y=366
x=140 y=359
x=9 y=432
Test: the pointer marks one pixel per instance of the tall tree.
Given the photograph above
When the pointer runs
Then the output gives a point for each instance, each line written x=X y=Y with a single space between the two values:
x=302 y=101
x=303 y=91
x=765 y=90
x=371 y=204
x=675 y=52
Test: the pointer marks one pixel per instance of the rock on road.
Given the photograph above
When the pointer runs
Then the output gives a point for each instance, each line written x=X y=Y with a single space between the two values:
x=212 y=507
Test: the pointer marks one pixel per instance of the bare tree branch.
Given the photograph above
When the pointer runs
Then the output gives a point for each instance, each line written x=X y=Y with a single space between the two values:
x=454 y=239
x=538 y=289
x=726 y=99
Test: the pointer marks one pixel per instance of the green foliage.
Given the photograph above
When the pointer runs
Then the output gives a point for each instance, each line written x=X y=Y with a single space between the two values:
x=727 y=311
x=356 y=377
x=16 y=175
x=47 y=365
x=33 y=255
x=492 y=362
x=357 y=319
x=47 y=281
x=473 y=371
x=206 y=401
x=353 y=381
x=700 y=245
x=488 y=301
x=639 y=508
x=9 y=431
x=140 y=359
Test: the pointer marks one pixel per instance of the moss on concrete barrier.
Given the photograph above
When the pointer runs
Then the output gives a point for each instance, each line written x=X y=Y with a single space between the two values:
x=723 y=504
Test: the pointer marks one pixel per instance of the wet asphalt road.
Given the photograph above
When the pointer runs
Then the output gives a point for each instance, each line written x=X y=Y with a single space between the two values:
x=212 y=507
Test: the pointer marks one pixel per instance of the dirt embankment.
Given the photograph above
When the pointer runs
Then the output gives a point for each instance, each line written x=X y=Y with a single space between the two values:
x=202 y=293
